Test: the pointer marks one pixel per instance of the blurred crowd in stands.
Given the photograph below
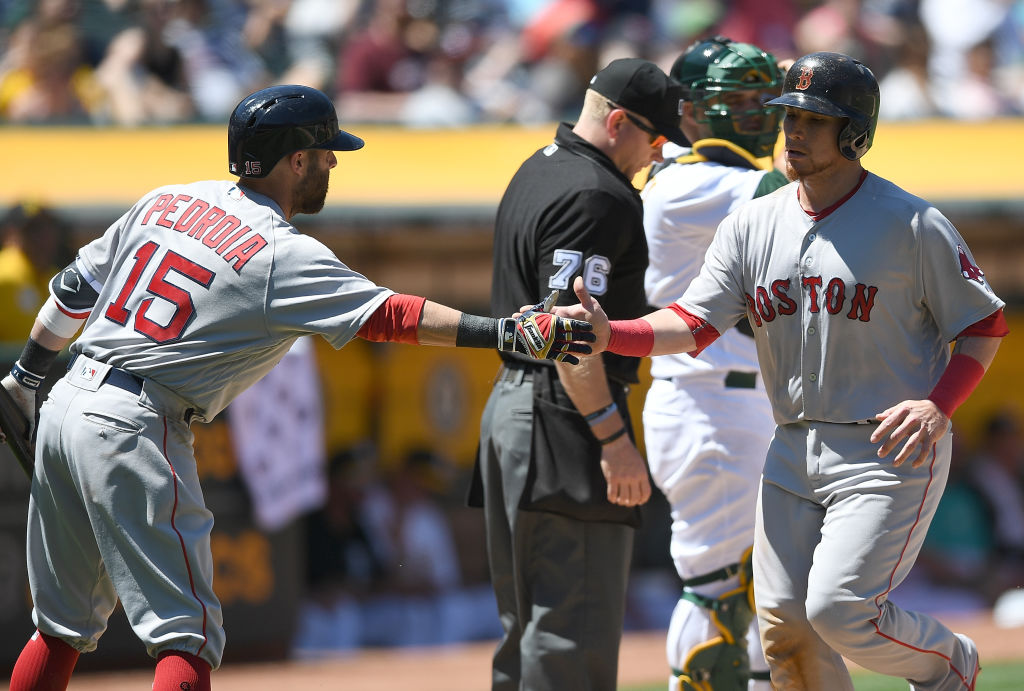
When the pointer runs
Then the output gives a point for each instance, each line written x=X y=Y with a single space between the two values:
x=449 y=63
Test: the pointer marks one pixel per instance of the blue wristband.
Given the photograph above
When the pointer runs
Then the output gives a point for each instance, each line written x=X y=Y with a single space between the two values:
x=599 y=416
x=29 y=380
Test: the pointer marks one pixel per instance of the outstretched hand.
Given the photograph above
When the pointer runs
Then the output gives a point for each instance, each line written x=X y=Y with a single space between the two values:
x=543 y=335
x=921 y=423
x=588 y=310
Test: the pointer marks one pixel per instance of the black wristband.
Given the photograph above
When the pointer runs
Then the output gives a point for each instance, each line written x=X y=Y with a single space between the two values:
x=612 y=437
x=477 y=332
x=36 y=359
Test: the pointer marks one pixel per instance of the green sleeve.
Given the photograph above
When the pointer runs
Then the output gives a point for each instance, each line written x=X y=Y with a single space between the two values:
x=772 y=180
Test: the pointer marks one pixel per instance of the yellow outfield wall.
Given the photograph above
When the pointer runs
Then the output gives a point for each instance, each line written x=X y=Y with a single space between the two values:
x=935 y=159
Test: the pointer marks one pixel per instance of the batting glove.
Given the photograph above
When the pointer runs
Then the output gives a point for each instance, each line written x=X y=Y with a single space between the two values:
x=542 y=336
x=18 y=419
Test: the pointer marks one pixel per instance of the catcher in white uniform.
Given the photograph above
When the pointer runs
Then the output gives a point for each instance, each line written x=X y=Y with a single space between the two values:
x=707 y=420
x=854 y=289
x=191 y=296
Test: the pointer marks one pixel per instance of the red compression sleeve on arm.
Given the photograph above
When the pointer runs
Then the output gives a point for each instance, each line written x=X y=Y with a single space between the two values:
x=958 y=381
x=703 y=333
x=396 y=321
x=633 y=337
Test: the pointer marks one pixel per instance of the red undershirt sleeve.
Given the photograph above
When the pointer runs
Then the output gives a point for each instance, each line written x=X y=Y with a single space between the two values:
x=395 y=321
x=703 y=333
x=992 y=326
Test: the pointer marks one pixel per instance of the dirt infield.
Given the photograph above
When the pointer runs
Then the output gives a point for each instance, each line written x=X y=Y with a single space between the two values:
x=466 y=667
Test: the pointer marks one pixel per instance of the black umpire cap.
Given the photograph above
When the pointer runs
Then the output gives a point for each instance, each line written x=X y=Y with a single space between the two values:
x=642 y=87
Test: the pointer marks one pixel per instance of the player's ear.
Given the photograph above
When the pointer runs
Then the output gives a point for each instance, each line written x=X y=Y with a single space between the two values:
x=296 y=162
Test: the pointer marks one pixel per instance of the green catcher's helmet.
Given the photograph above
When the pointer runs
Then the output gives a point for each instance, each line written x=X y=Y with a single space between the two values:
x=717 y=66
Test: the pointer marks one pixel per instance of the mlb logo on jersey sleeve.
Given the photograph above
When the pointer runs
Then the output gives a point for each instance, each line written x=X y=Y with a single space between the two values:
x=968 y=270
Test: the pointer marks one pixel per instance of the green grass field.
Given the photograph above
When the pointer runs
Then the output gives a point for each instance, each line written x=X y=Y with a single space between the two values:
x=995 y=676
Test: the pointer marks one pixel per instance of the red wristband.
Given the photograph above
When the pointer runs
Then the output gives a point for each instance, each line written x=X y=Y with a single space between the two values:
x=633 y=337
x=958 y=381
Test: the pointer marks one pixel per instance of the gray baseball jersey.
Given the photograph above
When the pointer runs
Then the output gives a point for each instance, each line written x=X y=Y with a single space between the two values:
x=204 y=287
x=851 y=312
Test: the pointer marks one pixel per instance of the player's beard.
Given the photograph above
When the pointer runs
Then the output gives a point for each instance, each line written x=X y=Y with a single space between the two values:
x=807 y=168
x=311 y=192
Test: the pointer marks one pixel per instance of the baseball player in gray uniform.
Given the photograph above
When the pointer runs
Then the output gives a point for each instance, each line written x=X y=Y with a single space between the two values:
x=854 y=289
x=707 y=420
x=191 y=296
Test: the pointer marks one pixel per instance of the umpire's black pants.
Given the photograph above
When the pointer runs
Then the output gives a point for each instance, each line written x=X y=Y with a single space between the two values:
x=560 y=583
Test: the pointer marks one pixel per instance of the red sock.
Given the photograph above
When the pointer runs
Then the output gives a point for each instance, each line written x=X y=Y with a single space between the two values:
x=178 y=671
x=45 y=664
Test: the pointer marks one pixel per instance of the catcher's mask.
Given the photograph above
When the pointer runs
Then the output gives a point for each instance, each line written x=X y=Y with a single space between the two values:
x=839 y=86
x=716 y=66
x=281 y=120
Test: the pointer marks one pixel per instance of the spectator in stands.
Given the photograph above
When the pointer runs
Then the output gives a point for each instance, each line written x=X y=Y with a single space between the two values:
x=32 y=247
x=955 y=28
x=769 y=24
x=343 y=553
x=976 y=540
x=440 y=101
x=959 y=545
x=343 y=561
x=977 y=96
x=906 y=90
x=377 y=66
x=220 y=69
x=997 y=473
x=143 y=76
x=45 y=79
x=312 y=32
x=419 y=554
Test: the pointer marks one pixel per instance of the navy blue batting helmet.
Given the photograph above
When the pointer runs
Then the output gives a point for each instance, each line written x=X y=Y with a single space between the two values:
x=281 y=120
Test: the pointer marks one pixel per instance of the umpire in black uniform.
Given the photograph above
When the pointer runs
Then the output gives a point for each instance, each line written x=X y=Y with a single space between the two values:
x=560 y=477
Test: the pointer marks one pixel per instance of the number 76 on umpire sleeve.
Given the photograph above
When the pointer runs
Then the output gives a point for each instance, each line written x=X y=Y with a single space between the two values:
x=595 y=271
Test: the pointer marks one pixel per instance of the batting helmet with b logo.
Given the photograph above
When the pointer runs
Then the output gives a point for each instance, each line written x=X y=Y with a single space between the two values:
x=840 y=86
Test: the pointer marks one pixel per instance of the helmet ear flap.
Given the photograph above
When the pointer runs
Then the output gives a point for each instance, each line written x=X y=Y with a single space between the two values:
x=854 y=139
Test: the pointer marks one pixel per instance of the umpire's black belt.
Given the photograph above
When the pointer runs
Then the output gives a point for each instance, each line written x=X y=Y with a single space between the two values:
x=734 y=379
x=515 y=373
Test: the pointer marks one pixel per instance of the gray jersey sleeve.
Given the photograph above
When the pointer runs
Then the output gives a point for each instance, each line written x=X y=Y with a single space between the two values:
x=96 y=260
x=716 y=294
x=955 y=287
x=312 y=291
